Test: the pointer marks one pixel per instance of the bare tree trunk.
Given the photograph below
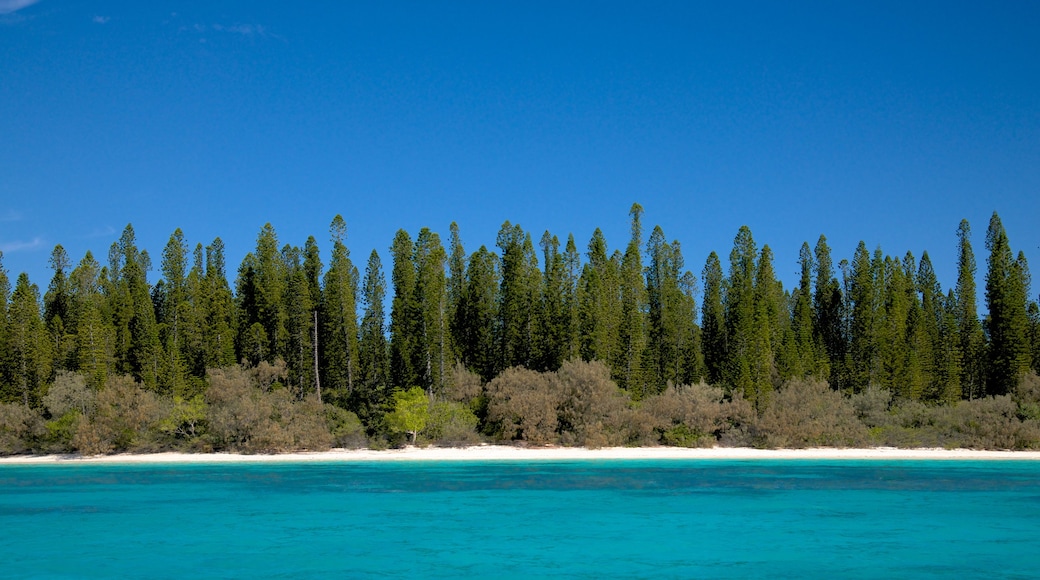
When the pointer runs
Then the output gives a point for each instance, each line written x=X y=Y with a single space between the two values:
x=317 y=377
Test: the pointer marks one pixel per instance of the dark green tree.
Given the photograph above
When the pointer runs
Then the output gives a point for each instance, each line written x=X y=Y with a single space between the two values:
x=373 y=355
x=553 y=324
x=433 y=352
x=1006 y=325
x=969 y=328
x=599 y=303
x=298 y=314
x=828 y=322
x=477 y=315
x=863 y=323
x=405 y=315
x=713 y=321
x=339 y=325
x=28 y=346
x=218 y=306
x=739 y=307
x=628 y=364
x=58 y=313
x=806 y=360
x=94 y=335
x=672 y=351
x=518 y=296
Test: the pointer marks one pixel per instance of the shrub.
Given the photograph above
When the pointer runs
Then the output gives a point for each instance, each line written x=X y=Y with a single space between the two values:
x=19 y=427
x=592 y=409
x=68 y=393
x=697 y=415
x=345 y=428
x=988 y=423
x=808 y=413
x=522 y=405
x=452 y=424
x=465 y=386
x=125 y=418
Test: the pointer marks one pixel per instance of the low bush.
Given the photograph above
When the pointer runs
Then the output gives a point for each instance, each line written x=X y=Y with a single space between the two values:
x=522 y=406
x=451 y=424
x=20 y=426
x=808 y=413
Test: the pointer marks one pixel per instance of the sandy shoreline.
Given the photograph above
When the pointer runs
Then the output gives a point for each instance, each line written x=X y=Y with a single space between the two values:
x=508 y=453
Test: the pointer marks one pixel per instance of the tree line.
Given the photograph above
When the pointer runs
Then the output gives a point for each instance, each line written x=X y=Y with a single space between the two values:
x=872 y=322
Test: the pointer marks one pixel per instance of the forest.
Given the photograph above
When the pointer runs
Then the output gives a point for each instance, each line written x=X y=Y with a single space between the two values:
x=535 y=343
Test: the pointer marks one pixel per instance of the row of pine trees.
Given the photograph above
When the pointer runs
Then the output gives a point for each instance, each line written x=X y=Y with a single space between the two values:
x=872 y=320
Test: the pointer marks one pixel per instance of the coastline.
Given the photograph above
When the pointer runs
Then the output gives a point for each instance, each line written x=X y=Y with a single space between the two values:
x=511 y=453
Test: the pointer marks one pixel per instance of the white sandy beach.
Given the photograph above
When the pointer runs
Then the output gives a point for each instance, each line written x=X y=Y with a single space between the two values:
x=510 y=453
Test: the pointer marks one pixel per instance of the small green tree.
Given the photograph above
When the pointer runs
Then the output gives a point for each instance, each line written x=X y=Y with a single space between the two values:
x=411 y=411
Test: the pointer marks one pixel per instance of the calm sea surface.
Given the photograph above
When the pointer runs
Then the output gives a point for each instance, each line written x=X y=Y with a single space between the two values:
x=650 y=519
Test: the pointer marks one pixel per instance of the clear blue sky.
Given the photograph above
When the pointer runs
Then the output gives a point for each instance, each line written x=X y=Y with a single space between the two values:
x=882 y=122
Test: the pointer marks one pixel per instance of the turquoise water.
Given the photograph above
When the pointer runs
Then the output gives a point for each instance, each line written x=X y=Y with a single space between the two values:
x=651 y=519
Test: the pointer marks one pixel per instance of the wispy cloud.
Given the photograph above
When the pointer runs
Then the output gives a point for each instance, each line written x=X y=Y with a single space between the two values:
x=101 y=19
x=21 y=246
x=104 y=232
x=11 y=215
x=243 y=29
x=9 y=6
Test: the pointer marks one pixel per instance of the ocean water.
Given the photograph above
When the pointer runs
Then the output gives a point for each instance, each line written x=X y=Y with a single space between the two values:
x=595 y=519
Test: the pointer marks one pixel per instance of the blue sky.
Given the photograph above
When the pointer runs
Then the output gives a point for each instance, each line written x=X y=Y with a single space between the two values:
x=882 y=122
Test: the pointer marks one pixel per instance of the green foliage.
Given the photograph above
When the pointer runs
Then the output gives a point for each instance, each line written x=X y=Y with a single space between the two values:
x=185 y=418
x=345 y=428
x=411 y=412
x=452 y=424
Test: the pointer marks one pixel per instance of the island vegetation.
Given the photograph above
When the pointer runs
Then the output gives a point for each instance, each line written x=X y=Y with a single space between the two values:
x=540 y=345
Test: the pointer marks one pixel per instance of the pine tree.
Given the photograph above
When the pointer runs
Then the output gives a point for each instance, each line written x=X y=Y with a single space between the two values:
x=672 y=353
x=338 y=321
x=628 y=366
x=138 y=351
x=802 y=318
x=94 y=336
x=477 y=316
x=405 y=315
x=552 y=335
x=863 y=321
x=173 y=313
x=969 y=329
x=57 y=311
x=767 y=331
x=1006 y=324
x=218 y=310
x=739 y=305
x=456 y=285
x=713 y=322
x=599 y=303
x=828 y=325
x=5 y=294
x=518 y=295
x=297 y=348
x=270 y=291
x=28 y=347
x=571 y=276
x=372 y=349
x=433 y=354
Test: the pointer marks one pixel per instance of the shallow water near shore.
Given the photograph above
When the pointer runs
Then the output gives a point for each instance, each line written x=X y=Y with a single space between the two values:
x=597 y=518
